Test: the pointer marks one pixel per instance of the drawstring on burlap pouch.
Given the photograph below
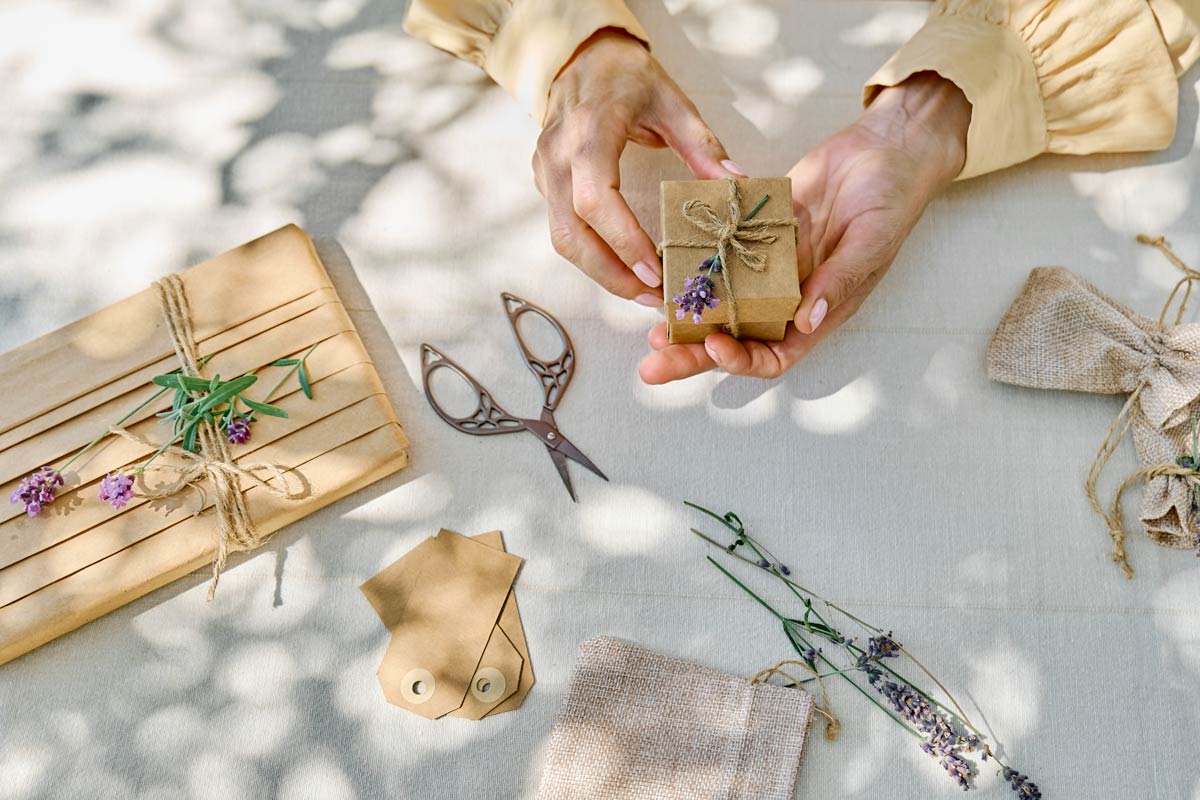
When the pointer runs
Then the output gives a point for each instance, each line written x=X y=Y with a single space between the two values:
x=1063 y=333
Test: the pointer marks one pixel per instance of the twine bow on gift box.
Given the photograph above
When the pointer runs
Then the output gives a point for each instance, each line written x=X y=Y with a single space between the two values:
x=1063 y=333
x=235 y=527
x=733 y=232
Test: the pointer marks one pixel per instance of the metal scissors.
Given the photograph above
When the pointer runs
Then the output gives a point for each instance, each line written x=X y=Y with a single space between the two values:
x=490 y=419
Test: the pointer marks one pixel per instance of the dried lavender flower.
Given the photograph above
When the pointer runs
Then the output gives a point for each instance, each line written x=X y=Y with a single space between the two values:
x=116 y=489
x=1021 y=785
x=697 y=296
x=37 y=490
x=238 y=430
x=809 y=657
x=883 y=646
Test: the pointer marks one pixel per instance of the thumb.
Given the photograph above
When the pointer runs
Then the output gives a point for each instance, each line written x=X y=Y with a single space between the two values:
x=856 y=259
x=685 y=132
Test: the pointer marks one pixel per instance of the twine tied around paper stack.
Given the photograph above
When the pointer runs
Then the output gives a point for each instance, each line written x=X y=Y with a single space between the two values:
x=235 y=528
x=1063 y=333
x=729 y=233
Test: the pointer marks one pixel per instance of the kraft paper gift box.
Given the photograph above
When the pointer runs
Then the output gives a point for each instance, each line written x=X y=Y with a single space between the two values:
x=763 y=302
x=266 y=300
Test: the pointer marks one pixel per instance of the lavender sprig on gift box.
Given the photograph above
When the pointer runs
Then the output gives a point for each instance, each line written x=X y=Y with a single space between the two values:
x=945 y=732
x=194 y=401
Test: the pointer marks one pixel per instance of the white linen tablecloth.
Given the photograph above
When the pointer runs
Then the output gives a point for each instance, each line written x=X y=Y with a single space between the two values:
x=140 y=136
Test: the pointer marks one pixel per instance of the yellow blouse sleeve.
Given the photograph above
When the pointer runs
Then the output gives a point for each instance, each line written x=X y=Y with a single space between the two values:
x=522 y=44
x=1059 y=76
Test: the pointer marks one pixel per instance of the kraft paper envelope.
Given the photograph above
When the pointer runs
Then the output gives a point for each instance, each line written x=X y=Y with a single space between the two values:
x=458 y=647
x=269 y=299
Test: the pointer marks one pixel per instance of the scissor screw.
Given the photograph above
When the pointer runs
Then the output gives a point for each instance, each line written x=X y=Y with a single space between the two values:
x=551 y=436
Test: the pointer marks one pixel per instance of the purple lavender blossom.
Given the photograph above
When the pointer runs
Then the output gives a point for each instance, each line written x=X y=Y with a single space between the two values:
x=116 y=489
x=959 y=769
x=698 y=291
x=884 y=646
x=809 y=657
x=37 y=490
x=1024 y=788
x=238 y=430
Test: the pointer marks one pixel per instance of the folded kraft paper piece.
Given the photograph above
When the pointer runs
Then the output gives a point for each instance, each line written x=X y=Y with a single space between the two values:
x=266 y=300
x=1063 y=333
x=458 y=647
x=636 y=725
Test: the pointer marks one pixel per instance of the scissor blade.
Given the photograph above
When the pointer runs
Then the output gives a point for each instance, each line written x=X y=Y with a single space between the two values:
x=572 y=452
x=560 y=461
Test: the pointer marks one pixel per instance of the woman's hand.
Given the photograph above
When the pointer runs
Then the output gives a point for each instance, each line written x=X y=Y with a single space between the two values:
x=610 y=93
x=857 y=196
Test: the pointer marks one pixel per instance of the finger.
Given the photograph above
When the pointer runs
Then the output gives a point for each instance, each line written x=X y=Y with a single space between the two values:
x=657 y=337
x=863 y=251
x=596 y=197
x=675 y=362
x=682 y=128
x=538 y=179
x=580 y=245
x=746 y=357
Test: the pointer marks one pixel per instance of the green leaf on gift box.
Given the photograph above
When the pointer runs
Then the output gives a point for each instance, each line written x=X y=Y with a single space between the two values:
x=265 y=408
x=284 y=362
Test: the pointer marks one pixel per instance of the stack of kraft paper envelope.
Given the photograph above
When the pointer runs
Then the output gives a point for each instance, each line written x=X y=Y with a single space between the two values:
x=267 y=300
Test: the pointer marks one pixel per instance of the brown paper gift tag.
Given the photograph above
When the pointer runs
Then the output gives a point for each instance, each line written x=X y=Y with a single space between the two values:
x=268 y=299
x=437 y=601
x=767 y=300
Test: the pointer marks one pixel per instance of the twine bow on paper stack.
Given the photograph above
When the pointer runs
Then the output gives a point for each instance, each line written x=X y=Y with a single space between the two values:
x=1063 y=333
x=730 y=233
x=235 y=527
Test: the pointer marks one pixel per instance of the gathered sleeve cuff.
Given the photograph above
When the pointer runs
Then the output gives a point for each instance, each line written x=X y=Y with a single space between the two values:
x=521 y=44
x=1060 y=76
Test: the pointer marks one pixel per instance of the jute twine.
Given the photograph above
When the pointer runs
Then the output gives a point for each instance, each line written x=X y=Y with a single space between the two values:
x=730 y=233
x=235 y=528
x=833 y=725
x=1114 y=517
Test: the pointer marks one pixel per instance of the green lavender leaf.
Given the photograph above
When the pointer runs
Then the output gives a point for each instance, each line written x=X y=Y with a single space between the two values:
x=284 y=362
x=305 y=386
x=225 y=391
x=265 y=408
x=189 y=437
x=173 y=380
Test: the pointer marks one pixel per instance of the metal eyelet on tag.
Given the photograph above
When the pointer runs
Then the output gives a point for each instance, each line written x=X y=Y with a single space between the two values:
x=417 y=686
x=488 y=685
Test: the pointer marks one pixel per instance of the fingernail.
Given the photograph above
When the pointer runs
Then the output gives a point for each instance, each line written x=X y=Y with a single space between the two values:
x=646 y=274
x=818 y=313
x=734 y=168
x=649 y=300
x=712 y=354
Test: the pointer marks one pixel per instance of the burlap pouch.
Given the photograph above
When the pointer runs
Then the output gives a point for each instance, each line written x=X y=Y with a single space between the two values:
x=636 y=725
x=1063 y=333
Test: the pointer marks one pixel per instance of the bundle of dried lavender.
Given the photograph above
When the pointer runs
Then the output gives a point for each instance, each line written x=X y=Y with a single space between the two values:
x=946 y=734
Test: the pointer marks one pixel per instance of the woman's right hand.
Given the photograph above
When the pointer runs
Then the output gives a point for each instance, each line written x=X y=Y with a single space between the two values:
x=613 y=92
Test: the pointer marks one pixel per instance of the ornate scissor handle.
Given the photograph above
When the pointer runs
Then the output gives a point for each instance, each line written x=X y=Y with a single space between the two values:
x=554 y=375
x=487 y=419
